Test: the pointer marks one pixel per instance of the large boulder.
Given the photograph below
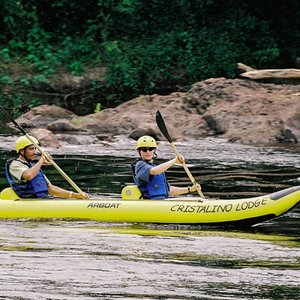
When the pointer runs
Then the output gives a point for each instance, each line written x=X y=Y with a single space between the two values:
x=236 y=109
x=248 y=112
x=239 y=110
x=45 y=137
x=41 y=116
x=138 y=115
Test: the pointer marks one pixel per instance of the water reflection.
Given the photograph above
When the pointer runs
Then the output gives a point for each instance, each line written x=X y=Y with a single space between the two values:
x=87 y=260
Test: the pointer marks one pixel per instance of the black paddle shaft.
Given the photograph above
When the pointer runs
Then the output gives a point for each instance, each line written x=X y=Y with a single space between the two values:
x=12 y=120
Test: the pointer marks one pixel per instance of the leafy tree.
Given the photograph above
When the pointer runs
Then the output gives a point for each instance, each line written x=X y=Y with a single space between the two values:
x=145 y=46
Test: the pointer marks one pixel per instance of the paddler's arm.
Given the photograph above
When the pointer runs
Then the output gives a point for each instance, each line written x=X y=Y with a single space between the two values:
x=175 y=190
x=166 y=165
x=30 y=173
x=59 y=192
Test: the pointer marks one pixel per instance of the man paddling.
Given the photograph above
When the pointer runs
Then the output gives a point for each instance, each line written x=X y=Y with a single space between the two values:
x=27 y=178
x=150 y=178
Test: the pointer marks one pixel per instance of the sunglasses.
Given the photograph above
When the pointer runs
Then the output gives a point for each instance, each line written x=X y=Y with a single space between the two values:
x=145 y=149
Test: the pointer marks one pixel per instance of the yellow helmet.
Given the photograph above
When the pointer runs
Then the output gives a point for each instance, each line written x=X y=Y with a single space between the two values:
x=146 y=141
x=23 y=142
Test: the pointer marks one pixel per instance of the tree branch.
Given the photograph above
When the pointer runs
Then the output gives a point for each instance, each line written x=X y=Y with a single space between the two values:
x=268 y=73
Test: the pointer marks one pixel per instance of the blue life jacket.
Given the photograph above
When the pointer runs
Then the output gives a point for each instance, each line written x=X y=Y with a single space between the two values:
x=35 y=188
x=156 y=188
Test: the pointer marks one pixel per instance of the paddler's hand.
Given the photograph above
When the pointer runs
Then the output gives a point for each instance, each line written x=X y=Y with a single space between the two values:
x=79 y=195
x=180 y=159
x=85 y=196
x=46 y=158
x=195 y=188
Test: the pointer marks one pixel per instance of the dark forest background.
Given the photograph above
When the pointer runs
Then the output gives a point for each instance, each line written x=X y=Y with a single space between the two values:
x=135 y=47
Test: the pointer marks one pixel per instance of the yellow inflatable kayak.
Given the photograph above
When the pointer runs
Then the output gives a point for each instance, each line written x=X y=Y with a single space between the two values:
x=185 y=210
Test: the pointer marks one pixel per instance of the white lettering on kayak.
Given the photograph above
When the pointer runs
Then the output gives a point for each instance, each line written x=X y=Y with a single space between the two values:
x=103 y=205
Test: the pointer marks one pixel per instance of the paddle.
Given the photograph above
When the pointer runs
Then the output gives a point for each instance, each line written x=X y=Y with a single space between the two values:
x=72 y=183
x=162 y=126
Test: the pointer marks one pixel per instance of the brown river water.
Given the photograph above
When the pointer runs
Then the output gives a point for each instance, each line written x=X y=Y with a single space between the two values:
x=61 y=259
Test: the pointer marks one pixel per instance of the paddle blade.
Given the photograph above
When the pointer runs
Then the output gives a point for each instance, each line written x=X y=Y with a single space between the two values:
x=162 y=126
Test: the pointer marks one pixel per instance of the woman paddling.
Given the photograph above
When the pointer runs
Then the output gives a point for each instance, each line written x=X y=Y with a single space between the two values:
x=27 y=179
x=150 y=178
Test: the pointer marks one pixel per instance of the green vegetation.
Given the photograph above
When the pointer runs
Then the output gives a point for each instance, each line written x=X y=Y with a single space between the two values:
x=145 y=47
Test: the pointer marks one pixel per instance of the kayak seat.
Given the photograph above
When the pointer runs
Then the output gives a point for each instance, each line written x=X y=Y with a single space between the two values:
x=131 y=192
x=9 y=194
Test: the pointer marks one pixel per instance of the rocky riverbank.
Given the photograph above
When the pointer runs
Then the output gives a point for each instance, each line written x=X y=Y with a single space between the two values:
x=239 y=110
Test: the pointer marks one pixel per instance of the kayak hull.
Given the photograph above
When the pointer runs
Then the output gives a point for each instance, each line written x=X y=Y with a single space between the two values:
x=185 y=210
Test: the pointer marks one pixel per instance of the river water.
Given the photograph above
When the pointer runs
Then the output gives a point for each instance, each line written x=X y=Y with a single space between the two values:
x=61 y=259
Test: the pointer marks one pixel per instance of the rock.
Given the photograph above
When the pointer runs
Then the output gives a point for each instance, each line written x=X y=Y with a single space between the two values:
x=69 y=83
x=105 y=137
x=216 y=126
x=289 y=137
x=77 y=139
x=139 y=115
x=41 y=116
x=239 y=110
x=293 y=126
x=252 y=113
x=45 y=137
x=70 y=139
x=62 y=125
x=138 y=132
